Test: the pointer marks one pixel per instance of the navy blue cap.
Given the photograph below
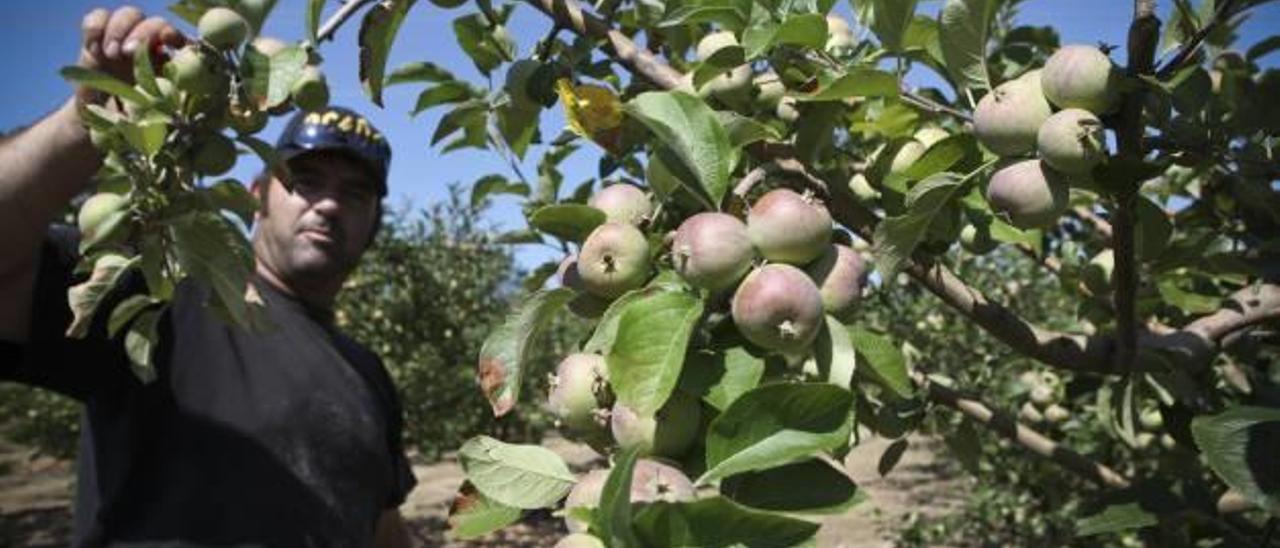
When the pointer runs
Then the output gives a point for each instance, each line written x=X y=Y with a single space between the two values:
x=338 y=129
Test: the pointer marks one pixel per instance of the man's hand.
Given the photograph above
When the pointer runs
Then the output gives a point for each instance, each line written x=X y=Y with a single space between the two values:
x=110 y=40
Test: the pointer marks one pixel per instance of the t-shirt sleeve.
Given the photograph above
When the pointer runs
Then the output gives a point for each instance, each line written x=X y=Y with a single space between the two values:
x=371 y=367
x=50 y=359
x=402 y=472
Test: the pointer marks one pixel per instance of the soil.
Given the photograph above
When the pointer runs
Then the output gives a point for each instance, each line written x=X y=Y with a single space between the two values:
x=35 y=498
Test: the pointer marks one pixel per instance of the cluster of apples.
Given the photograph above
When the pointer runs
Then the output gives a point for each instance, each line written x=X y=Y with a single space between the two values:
x=1047 y=150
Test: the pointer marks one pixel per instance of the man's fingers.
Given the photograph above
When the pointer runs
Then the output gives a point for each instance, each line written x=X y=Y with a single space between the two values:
x=118 y=27
x=91 y=29
x=142 y=34
x=172 y=38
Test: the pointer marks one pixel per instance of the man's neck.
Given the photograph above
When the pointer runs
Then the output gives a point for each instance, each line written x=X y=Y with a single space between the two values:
x=318 y=299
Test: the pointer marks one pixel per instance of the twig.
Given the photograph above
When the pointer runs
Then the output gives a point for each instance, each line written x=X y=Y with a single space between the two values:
x=1008 y=427
x=1101 y=225
x=749 y=181
x=931 y=105
x=1189 y=48
x=338 y=18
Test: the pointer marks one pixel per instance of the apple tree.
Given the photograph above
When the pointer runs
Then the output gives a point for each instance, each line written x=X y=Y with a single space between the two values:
x=760 y=158
x=750 y=149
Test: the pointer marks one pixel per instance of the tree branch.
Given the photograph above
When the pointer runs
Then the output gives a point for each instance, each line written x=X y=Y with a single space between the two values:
x=639 y=61
x=1191 y=46
x=1008 y=427
x=1101 y=225
x=1143 y=34
x=339 y=17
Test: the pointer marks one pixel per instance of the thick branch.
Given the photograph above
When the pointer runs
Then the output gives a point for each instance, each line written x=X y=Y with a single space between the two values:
x=1008 y=427
x=1143 y=33
x=339 y=17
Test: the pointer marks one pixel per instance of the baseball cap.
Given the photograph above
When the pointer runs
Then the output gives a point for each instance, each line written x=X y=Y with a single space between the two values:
x=338 y=129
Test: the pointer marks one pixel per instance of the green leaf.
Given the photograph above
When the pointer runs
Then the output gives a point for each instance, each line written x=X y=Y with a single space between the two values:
x=448 y=92
x=1261 y=49
x=886 y=365
x=140 y=343
x=859 y=82
x=670 y=179
x=606 y=330
x=613 y=515
x=759 y=34
x=964 y=27
x=267 y=153
x=896 y=237
x=722 y=376
x=1241 y=445
x=744 y=131
x=892 y=454
x=729 y=16
x=810 y=486
x=315 y=8
x=1115 y=518
x=495 y=184
x=474 y=515
x=649 y=348
x=715 y=522
x=777 y=424
x=922 y=36
x=519 y=237
x=943 y=155
x=101 y=81
x=146 y=137
x=502 y=358
x=723 y=60
x=268 y=80
x=230 y=195
x=805 y=29
x=418 y=71
x=378 y=32
x=520 y=476
x=469 y=116
x=85 y=297
x=144 y=74
x=518 y=125
x=966 y=446
x=126 y=311
x=218 y=255
x=890 y=22
x=690 y=128
x=569 y=222
x=834 y=353
x=478 y=41
x=1187 y=301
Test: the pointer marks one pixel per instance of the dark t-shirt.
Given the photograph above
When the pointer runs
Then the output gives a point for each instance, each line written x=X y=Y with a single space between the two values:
x=289 y=437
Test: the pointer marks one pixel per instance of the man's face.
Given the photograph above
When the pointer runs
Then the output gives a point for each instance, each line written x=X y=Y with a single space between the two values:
x=312 y=236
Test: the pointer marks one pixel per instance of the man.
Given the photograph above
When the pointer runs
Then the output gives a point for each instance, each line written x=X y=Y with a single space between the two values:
x=283 y=437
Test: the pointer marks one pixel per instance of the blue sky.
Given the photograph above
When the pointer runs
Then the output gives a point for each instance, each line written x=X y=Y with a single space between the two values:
x=40 y=37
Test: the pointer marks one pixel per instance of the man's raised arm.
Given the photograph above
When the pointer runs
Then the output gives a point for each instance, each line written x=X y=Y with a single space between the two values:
x=44 y=166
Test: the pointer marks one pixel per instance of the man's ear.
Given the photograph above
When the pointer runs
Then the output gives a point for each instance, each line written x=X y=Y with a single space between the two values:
x=258 y=187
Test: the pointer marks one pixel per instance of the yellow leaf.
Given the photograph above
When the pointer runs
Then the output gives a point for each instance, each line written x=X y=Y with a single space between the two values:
x=593 y=112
